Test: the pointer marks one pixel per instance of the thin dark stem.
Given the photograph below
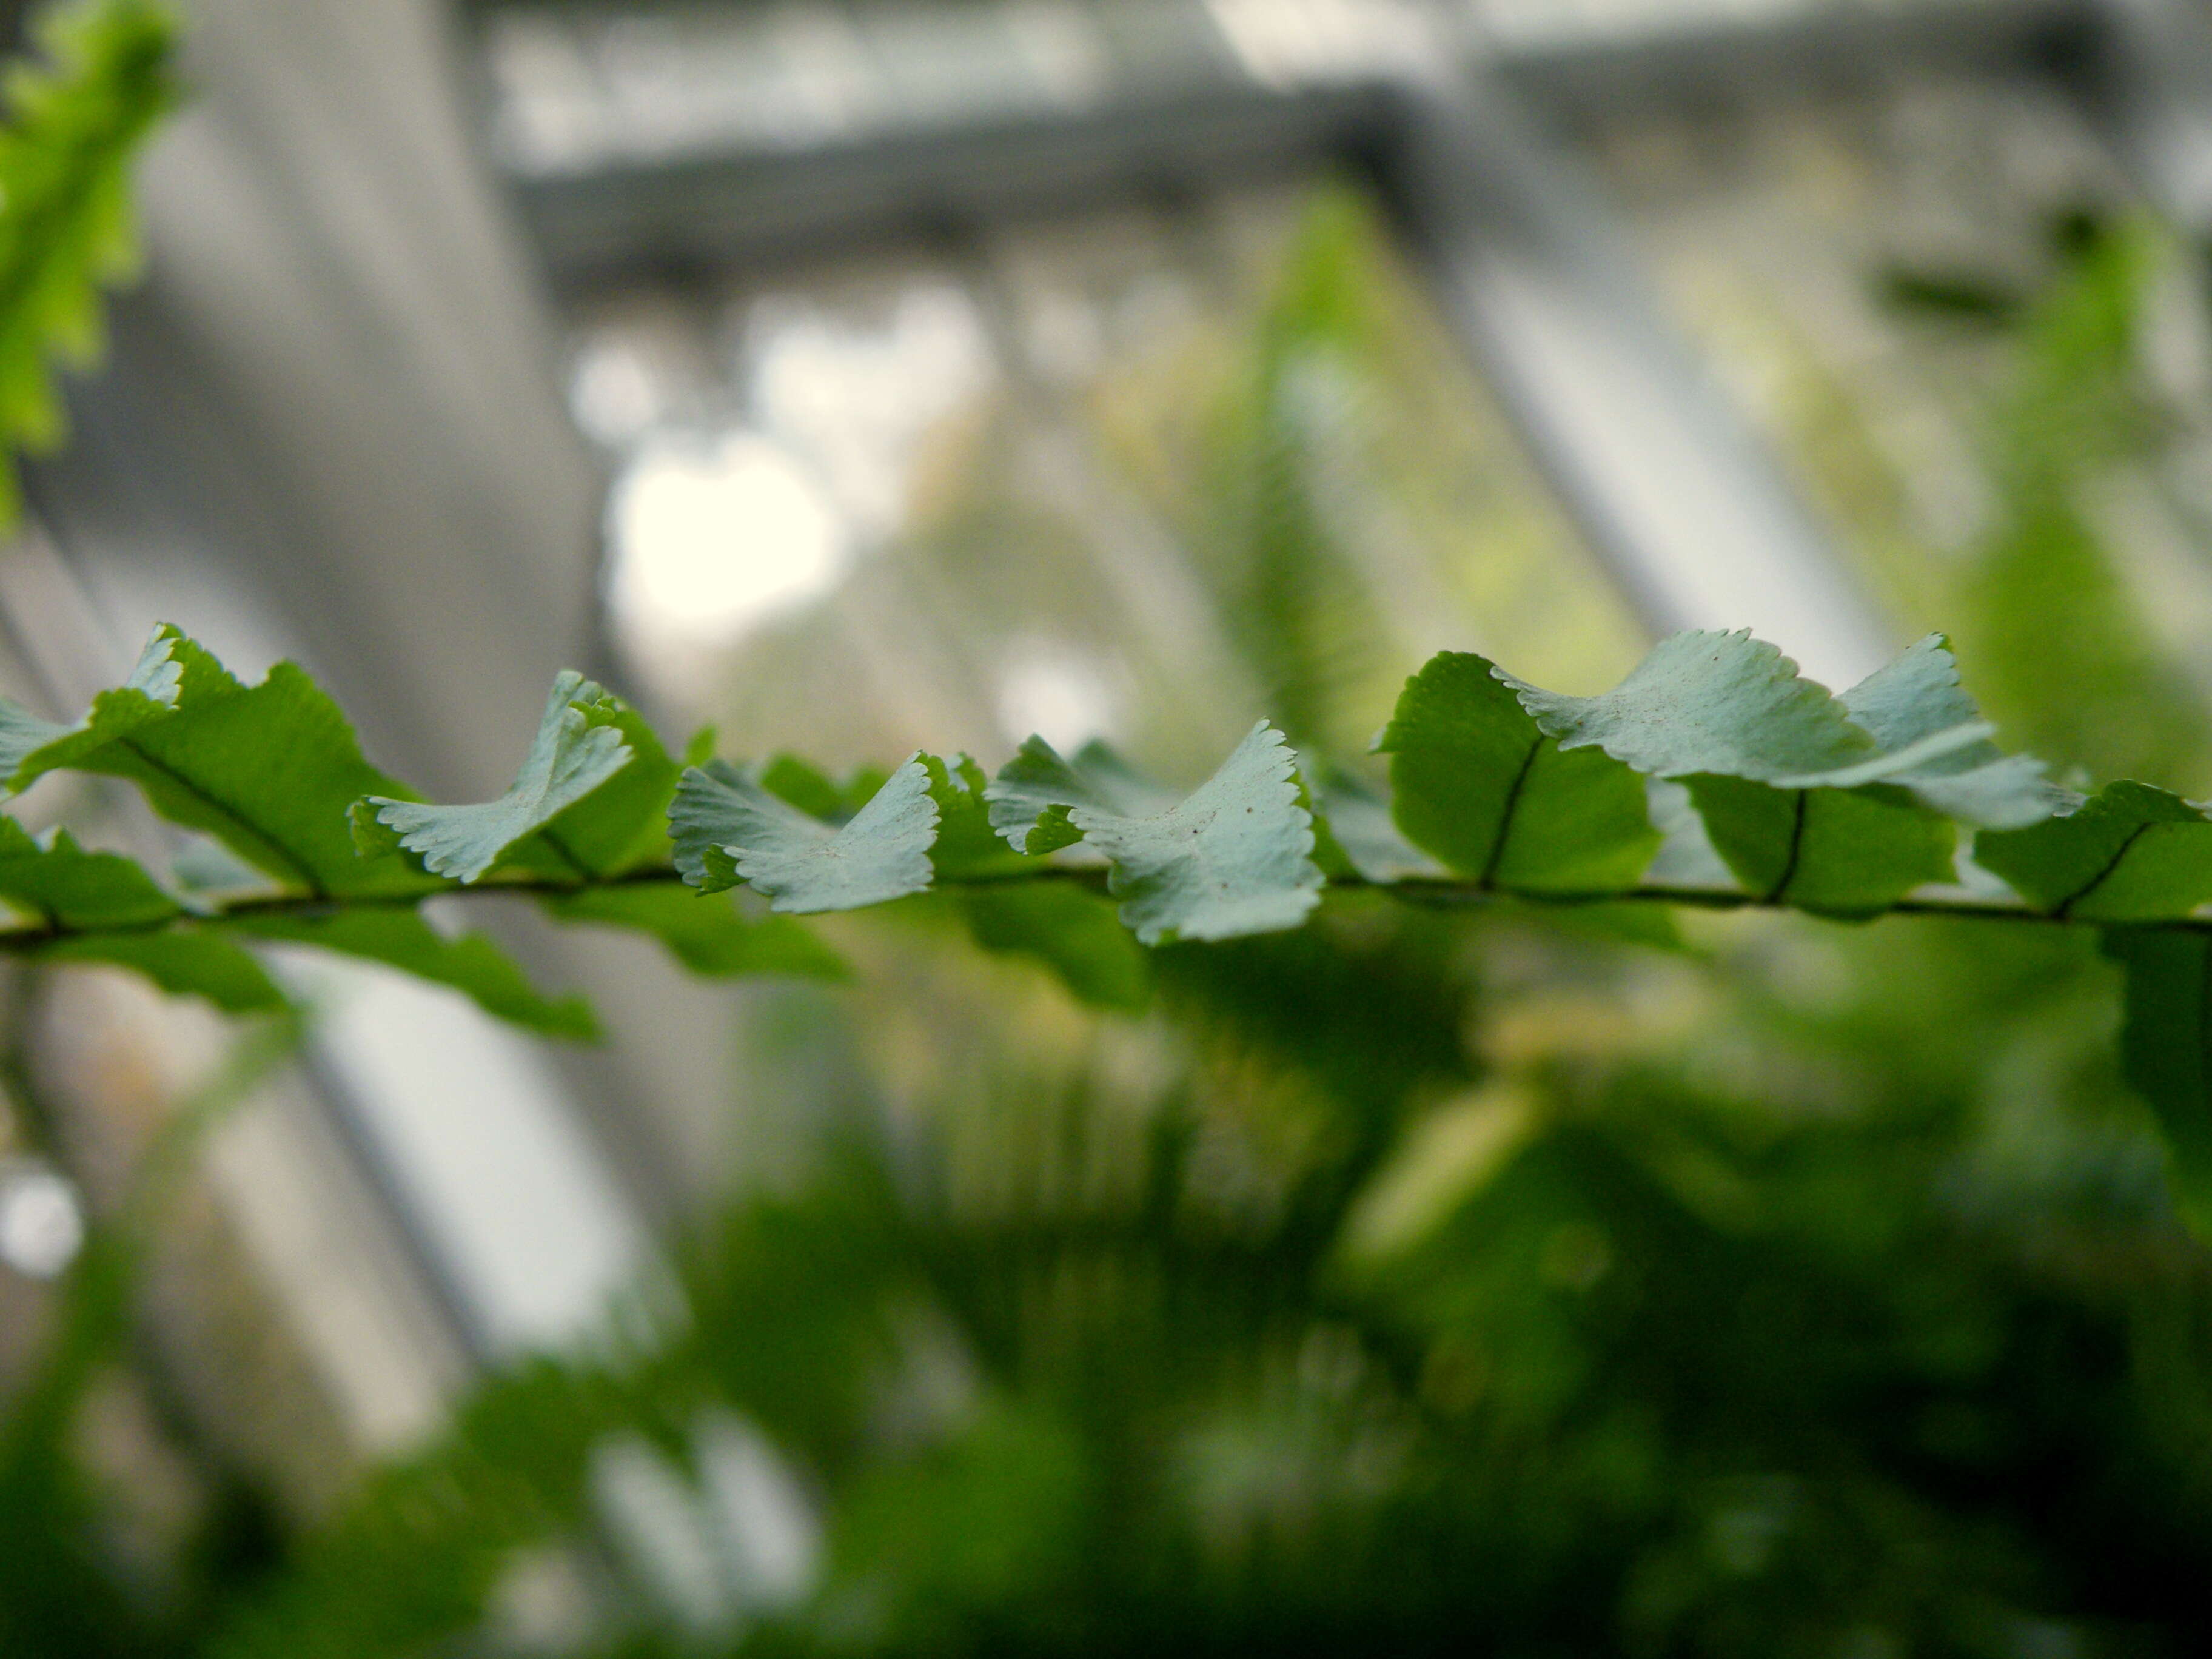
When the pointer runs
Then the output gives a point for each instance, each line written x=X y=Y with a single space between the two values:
x=216 y=909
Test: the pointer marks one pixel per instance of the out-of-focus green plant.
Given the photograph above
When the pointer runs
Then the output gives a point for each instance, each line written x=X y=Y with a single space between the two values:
x=1673 y=1318
x=2072 y=672
x=60 y=1591
x=1296 y=607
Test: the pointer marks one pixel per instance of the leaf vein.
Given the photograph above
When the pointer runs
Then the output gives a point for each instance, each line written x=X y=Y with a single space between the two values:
x=1497 y=855
x=1796 y=849
x=191 y=786
x=2067 y=904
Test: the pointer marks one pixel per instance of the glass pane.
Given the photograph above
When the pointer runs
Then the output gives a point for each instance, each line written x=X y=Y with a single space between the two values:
x=946 y=499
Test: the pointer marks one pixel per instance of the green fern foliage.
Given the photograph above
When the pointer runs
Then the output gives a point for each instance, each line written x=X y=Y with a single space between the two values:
x=1840 y=805
x=1714 y=775
x=2129 y=852
x=1483 y=788
x=730 y=828
x=30 y=747
x=269 y=770
x=2166 y=1051
x=1234 y=858
x=73 y=124
x=274 y=773
x=579 y=746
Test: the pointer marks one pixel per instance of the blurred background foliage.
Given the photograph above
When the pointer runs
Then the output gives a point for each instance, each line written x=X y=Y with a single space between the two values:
x=1421 y=1282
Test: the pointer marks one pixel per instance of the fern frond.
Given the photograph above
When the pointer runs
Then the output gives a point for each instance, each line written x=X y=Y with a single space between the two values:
x=1784 y=796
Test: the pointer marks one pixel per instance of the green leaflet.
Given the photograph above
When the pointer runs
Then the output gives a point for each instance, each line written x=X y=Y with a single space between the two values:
x=270 y=770
x=622 y=824
x=814 y=793
x=30 y=746
x=1354 y=835
x=579 y=746
x=1836 y=805
x=1478 y=785
x=1074 y=932
x=1843 y=853
x=2129 y=852
x=967 y=848
x=703 y=933
x=405 y=940
x=1336 y=864
x=1916 y=705
x=185 y=960
x=727 y=828
x=68 y=887
x=1233 y=859
x=57 y=882
x=1731 y=706
x=697 y=815
x=2165 y=1050
x=1030 y=800
x=1723 y=703
x=65 y=222
x=1685 y=859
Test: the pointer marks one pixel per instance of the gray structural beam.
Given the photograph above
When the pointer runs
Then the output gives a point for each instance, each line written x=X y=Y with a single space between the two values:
x=331 y=426
x=755 y=209
x=1749 y=53
x=2149 y=75
x=1662 y=473
x=332 y=422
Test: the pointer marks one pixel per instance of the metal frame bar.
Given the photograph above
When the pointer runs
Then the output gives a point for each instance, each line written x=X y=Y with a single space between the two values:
x=707 y=209
x=710 y=212
x=1666 y=479
x=1815 y=49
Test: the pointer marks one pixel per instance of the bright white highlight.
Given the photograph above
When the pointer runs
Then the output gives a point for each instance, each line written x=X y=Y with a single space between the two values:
x=713 y=539
x=41 y=1225
x=861 y=398
x=1291 y=43
x=613 y=391
x=740 y=1540
x=1065 y=697
x=536 y=1238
